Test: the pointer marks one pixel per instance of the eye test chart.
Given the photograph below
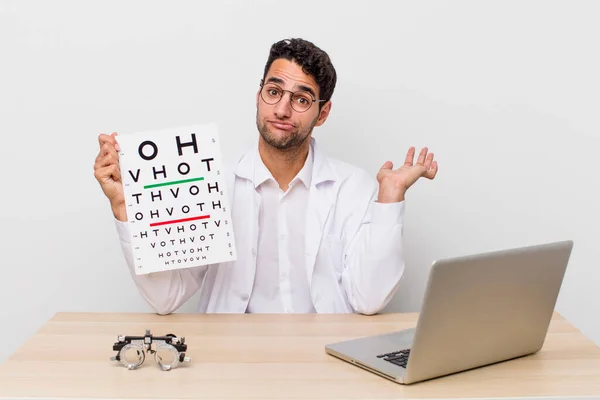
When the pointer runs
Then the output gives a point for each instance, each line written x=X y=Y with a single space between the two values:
x=176 y=199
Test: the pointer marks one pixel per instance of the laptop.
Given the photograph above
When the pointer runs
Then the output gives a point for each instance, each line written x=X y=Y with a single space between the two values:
x=477 y=310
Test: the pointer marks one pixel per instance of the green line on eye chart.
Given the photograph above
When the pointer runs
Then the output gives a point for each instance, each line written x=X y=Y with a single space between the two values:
x=173 y=183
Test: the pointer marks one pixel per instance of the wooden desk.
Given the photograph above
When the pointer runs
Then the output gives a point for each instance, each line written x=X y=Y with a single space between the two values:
x=270 y=356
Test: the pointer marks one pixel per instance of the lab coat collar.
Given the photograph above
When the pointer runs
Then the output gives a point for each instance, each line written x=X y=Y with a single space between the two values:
x=262 y=173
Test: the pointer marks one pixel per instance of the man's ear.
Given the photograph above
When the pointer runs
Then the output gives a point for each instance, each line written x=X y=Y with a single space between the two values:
x=324 y=113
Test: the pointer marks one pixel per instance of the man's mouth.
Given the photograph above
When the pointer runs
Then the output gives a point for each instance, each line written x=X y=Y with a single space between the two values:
x=282 y=125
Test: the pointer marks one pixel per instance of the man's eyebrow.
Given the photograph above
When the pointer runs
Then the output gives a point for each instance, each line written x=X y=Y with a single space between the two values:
x=275 y=80
x=307 y=89
x=280 y=81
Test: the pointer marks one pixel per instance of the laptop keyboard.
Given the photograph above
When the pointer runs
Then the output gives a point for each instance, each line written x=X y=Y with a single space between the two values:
x=397 y=357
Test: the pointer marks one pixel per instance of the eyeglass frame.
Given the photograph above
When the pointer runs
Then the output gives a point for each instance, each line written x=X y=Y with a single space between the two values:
x=262 y=86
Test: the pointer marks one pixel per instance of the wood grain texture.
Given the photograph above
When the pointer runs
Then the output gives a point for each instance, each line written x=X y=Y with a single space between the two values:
x=243 y=356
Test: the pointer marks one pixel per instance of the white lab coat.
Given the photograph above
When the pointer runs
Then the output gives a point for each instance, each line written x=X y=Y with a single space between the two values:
x=353 y=252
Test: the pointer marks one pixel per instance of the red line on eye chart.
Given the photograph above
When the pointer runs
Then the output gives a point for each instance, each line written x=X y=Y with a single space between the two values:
x=177 y=221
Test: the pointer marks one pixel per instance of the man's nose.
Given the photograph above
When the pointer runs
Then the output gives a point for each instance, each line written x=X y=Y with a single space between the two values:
x=283 y=109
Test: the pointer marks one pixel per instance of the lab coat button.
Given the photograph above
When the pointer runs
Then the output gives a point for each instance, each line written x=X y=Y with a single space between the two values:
x=245 y=297
x=253 y=252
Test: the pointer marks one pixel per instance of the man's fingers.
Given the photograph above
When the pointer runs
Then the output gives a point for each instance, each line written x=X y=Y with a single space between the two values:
x=108 y=159
x=410 y=156
x=428 y=161
x=422 y=155
x=114 y=135
x=103 y=138
x=105 y=174
x=107 y=148
x=387 y=165
x=432 y=172
x=116 y=173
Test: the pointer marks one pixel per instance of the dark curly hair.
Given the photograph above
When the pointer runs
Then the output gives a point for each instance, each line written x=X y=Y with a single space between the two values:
x=313 y=61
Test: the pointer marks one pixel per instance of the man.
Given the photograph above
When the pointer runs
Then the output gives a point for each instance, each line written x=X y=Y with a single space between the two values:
x=313 y=234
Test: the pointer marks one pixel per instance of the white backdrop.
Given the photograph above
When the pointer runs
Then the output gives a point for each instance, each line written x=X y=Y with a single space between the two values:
x=506 y=94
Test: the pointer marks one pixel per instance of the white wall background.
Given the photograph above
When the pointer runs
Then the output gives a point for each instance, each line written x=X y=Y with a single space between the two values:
x=506 y=94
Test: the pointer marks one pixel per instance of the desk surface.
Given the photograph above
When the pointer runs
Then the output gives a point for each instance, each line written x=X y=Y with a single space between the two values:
x=271 y=356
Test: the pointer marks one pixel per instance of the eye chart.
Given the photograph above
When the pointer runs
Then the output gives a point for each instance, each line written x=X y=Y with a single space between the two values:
x=175 y=197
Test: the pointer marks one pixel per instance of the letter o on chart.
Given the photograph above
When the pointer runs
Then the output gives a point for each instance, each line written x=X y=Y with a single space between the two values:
x=154 y=150
x=187 y=168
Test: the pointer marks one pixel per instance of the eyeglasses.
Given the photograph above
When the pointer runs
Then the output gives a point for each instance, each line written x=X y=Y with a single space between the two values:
x=301 y=101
